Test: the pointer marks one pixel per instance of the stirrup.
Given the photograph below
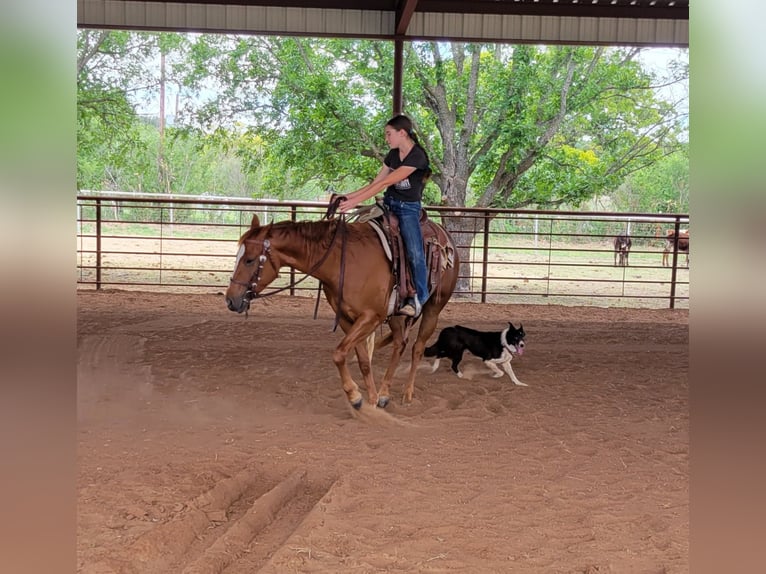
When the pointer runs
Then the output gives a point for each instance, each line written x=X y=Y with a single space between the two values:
x=412 y=308
x=408 y=310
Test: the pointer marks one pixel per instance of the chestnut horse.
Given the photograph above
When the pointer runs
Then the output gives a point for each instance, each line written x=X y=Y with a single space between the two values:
x=349 y=260
x=671 y=242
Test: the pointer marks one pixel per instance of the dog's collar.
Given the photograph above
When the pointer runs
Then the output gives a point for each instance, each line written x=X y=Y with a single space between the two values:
x=503 y=341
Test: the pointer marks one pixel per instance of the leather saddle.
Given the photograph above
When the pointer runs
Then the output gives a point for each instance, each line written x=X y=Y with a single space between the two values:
x=437 y=247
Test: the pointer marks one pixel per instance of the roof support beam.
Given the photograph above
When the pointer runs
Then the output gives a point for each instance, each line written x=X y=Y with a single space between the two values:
x=404 y=11
x=398 y=75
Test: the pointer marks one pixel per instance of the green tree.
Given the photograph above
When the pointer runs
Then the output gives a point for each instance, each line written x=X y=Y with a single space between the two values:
x=662 y=187
x=106 y=120
x=507 y=126
x=115 y=71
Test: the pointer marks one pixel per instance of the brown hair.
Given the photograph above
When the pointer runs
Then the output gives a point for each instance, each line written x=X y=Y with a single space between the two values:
x=402 y=122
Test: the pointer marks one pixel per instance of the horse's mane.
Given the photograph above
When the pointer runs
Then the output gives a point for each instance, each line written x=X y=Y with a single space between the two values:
x=312 y=233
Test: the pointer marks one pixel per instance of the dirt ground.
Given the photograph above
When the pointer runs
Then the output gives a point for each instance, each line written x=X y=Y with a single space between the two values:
x=212 y=443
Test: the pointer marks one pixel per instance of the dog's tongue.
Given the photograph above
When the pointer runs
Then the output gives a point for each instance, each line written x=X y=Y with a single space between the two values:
x=519 y=350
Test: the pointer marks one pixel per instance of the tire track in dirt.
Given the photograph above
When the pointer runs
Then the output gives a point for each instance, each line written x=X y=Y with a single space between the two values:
x=197 y=542
x=235 y=541
x=167 y=543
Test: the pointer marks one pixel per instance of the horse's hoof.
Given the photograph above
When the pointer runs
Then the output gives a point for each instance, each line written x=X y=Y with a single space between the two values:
x=383 y=402
x=357 y=404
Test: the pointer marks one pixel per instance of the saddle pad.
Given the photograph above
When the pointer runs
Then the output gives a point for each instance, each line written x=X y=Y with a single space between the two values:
x=382 y=236
x=367 y=212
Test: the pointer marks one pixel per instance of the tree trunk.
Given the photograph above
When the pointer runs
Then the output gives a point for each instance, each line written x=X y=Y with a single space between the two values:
x=463 y=231
x=164 y=171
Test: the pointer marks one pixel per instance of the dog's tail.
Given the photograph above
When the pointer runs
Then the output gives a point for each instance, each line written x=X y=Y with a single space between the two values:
x=431 y=351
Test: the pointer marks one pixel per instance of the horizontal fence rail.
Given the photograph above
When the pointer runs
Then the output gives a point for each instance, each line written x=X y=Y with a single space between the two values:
x=182 y=243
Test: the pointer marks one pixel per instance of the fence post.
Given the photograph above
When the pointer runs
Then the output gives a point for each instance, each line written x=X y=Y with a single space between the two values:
x=162 y=225
x=98 y=244
x=485 y=258
x=674 y=269
x=293 y=217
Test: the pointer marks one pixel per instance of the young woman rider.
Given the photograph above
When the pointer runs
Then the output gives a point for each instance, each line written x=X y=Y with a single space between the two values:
x=403 y=175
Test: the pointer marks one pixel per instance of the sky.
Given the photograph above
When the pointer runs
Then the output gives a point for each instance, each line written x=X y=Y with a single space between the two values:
x=657 y=61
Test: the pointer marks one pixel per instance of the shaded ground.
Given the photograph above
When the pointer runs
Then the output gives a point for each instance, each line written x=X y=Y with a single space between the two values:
x=211 y=443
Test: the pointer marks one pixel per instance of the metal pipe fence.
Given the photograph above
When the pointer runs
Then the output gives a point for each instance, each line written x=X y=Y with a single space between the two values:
x=182 y=243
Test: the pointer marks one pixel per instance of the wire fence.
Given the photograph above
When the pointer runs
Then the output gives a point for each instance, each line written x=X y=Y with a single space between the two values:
x=181 y=243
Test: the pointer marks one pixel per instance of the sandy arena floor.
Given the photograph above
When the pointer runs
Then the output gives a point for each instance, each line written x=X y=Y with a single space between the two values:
x=209 y=443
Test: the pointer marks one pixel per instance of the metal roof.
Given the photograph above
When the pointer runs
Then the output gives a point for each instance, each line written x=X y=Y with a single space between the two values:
x=612 y=22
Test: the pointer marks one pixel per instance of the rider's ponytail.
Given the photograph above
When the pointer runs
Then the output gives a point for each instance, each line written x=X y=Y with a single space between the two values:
x=402 y=122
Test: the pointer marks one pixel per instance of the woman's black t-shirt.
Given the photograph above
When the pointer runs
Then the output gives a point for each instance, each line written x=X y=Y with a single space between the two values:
x=410 y=188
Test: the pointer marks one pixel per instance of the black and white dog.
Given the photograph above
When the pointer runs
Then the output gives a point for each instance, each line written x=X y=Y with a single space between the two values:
x=493 y=347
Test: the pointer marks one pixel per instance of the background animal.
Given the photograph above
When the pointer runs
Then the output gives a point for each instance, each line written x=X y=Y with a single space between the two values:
x=622 y=245
x=670 y=242
x=493 y=347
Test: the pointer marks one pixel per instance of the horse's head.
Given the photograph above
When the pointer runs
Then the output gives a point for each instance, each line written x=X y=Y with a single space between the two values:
x=254 y=268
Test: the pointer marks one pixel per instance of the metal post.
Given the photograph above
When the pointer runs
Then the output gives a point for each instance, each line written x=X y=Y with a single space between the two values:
x=162 y=217
x=485 y=258
x=398 y=73
x=674 y=270
x=293 y=214
x=550 y=253
x=98 y=244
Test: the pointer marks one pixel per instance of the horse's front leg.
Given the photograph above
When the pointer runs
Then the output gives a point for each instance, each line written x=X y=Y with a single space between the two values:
x=364 y=358
x=356 y=337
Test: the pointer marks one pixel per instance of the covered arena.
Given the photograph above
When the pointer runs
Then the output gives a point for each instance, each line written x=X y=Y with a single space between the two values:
x=211 y=443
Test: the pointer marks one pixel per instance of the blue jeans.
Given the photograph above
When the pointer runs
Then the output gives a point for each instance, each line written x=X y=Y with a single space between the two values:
x=408 y=213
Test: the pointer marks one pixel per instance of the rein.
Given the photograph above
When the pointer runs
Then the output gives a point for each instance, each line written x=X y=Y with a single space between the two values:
x=332 y=209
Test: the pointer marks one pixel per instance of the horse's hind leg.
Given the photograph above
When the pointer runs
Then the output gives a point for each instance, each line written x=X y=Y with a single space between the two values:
x=427 y=325
x=370 y=344
x=398 y=342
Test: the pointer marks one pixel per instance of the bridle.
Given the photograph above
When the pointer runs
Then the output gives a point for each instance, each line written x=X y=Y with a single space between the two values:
x=255 y=278
x=252 y=284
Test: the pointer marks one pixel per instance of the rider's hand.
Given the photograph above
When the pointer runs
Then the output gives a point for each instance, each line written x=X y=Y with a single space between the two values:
x=344 y=204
